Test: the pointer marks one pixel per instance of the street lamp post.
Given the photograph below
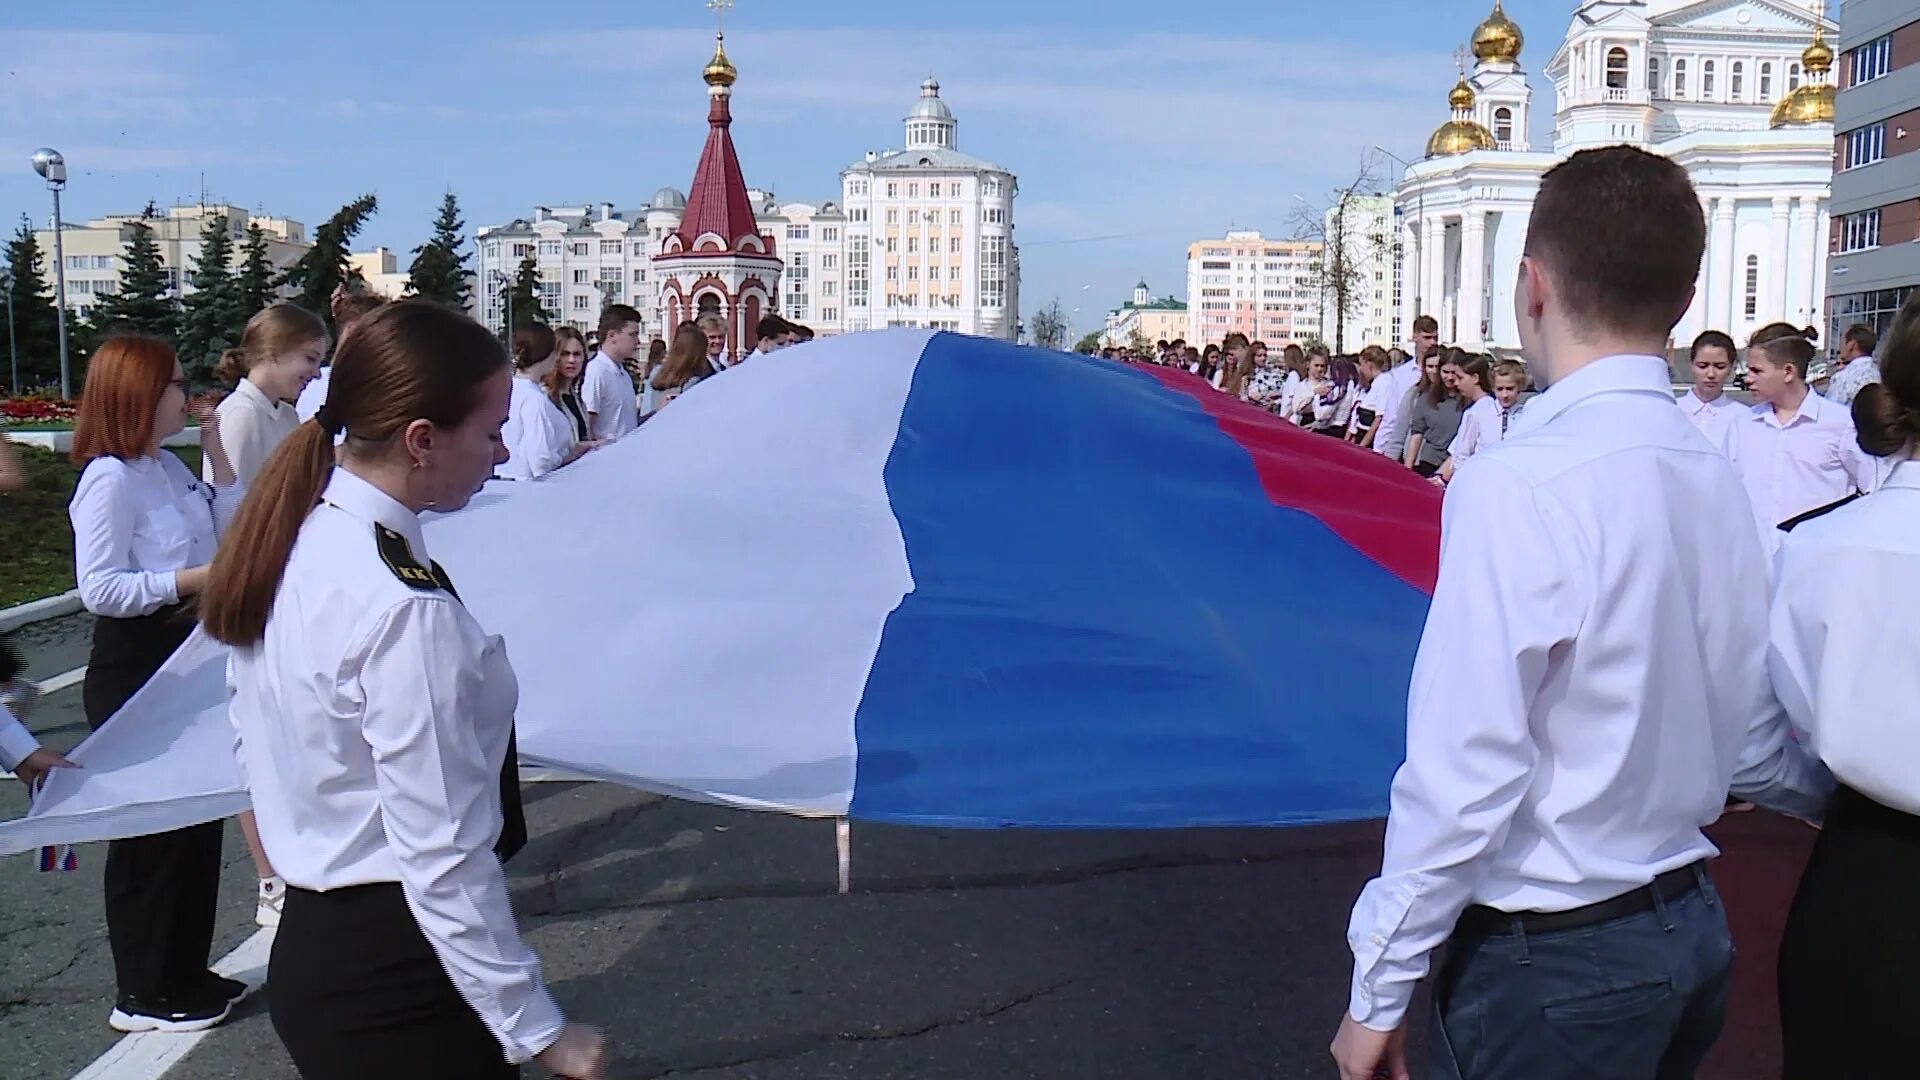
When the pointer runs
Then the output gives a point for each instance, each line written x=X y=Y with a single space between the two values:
x=50 y=165
x=12 y=343
x=1419 y=232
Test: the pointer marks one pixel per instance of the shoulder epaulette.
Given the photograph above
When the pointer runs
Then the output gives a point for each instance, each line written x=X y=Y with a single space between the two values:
x=399 y=559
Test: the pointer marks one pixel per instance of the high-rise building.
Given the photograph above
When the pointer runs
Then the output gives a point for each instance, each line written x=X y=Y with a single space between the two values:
x=1737 y=94
x=1265 y=289
x=96 y=252
x=1363 y=227
x=1875 y=239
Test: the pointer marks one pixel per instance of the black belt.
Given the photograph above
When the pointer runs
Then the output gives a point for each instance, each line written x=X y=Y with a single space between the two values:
x=1492 y=922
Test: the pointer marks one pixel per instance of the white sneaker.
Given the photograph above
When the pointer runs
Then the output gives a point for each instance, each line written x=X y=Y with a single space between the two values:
x=273 y=895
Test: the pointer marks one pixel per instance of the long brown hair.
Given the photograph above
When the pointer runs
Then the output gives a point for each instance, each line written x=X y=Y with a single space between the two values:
x=557 y=384
x=126 y=379
x=532 y=343
x=685 y=357
x=410 y=360
x=273 y=330
x=1887 y=413
x=1433 y=387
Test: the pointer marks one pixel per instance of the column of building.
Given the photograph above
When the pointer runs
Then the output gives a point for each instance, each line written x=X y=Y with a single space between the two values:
x=1436 y=258
x=1779 y=257
x=1473 y=272
x=1720 y=269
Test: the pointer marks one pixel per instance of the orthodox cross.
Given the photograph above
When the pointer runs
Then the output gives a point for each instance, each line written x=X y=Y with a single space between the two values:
x=719 y=9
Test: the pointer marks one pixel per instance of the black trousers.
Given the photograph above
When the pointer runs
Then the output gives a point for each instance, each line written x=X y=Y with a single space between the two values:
x=161 y=890
x=1848 y=996
x=355 y=992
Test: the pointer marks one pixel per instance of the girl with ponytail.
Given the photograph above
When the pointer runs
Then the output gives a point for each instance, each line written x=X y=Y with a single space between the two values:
x=375 y=723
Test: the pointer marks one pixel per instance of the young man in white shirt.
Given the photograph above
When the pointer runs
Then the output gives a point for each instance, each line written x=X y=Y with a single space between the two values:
x=605 y=388
x=1389 y=436
x=1796 y=451
x=1855 y=367
x=1707 y=404
x=1591 y=682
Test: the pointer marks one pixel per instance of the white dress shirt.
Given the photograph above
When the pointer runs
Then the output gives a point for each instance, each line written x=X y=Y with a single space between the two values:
x=371 y=723
x=1810 y=461
x=16 y=742
x=1845 y=661
x=1394 y=384
x=538 y=435
x=1716 y=419
x=1847 y=383
x=1591 y=681
x=1479 y=430
x=607 y=392
x=137 y=523
x=252 y=426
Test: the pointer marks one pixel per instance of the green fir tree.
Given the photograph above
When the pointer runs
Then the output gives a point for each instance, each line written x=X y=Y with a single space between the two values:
x=255 y=280
x=439 y=271
x=523 y=299
x=35 y=326
x=325 y=265
x=145 y=302
x=212 y=318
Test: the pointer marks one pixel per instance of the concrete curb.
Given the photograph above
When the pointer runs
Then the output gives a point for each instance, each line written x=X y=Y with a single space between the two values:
x=33 y=611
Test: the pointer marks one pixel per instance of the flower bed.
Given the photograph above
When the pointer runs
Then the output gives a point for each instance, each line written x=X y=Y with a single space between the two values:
x=35 y=412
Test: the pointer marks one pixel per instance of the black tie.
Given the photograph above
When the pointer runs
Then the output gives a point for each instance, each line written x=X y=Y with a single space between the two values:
x=1503 y=423
x=513 y=816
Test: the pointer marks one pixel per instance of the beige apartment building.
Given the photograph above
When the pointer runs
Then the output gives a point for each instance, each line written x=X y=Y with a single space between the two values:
x=96 y=251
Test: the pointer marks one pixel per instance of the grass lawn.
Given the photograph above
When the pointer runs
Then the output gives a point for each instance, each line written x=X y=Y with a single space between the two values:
x=36 y=541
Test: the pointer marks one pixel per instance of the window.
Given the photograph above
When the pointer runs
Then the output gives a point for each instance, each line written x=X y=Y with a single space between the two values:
x=830 y=235
x=913 y=245
x=893 y=245
x=639 y=275
x=913 y=272
x=829 y=288
x=1736 y=81
x=1706 y=80
x=953 y=245
x=1679 y=78
x=1766 y=83
x=893 y=216
x=913 y=191
x=610 y=274
x=1861 y=231
x=798 y=232
x=1752 y=307
x=829 y=262
x=583 y=303
x=953 y=216
x=521 y=251
x=913 y=217
x=580 y=277
x=1866 y=145
x=953 y=273
x=893 y=273
x=639 y=249
x=857 y=284
x=893 y=190
x=611 y=247
x=1616 y=68
x=103 y=262
x=1653 y=76
x=830 y=314
x=933 y=191
x=1793 y=77
x=1871 y=61
x=1503 y=125
x=549 y=247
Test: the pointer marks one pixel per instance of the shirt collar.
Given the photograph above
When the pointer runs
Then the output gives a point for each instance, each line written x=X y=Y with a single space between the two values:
x=1810 y=411
x=1609 y=374
x=368 y=503
x=1905 y=474
x=246 y=389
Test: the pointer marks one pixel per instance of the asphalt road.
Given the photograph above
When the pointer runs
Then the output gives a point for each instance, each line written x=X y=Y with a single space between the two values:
x=712 y=943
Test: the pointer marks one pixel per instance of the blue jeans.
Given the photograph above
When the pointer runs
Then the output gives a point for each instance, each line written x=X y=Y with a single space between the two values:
x=1641 y=997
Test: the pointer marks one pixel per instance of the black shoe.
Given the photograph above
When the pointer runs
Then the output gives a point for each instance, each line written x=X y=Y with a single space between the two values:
x=227 y=989
x=195 y=1011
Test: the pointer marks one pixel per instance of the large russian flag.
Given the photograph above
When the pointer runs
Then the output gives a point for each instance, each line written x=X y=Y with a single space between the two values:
x=920 y=578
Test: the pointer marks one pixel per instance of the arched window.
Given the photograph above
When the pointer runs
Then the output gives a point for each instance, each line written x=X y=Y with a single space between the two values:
x=1766 y=84
x=1653 y=77
x=1502 y=125
x=1793 y=77
x=1679 y=78
x=1616 y=68
x=1706 y=80
x=1753 y=286
x=1736 y=81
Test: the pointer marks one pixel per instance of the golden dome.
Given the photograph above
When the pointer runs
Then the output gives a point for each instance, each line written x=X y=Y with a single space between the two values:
x=1812 y=103
x=1460 y=98
x=1458 y=137
x=720 y=70
x=1498 y=38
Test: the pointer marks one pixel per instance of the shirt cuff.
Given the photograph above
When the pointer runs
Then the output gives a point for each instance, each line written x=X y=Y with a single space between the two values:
x=16 y=742
x=535 y=1029
x=1378 y=1008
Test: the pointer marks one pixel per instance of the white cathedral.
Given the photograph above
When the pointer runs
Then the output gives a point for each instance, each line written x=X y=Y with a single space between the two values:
x=1737 y=91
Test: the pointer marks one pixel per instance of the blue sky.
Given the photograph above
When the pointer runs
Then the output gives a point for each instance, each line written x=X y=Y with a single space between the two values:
x=1134 y=127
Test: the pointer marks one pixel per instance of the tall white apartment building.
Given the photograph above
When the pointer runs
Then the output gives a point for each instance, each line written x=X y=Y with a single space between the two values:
x=1265 y=289
x=1367 y=236
x=918 y=237
x=96 y=251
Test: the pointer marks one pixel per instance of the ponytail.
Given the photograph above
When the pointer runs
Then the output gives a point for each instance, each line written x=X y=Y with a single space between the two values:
x=252 y=557
x=232 y=367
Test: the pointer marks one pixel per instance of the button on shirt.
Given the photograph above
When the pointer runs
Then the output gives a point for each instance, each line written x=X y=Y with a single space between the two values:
x=372 y=721
x=1716 y=418
x=135 y=524
x=1847 y=383
x=607 y=392
x=1591 y=681
x=252 y=426
x=537 y=433
x=1808 y=462
x=1845 y=661
x=1393 y=386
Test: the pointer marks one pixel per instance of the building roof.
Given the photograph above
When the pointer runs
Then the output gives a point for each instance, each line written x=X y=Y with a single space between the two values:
x=930 y=107
x=717 y=200
x=1165 y=303
x=667 y=198
x=939 y=157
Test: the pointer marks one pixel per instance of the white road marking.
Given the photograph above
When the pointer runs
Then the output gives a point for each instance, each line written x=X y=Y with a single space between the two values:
x=147 y=1055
